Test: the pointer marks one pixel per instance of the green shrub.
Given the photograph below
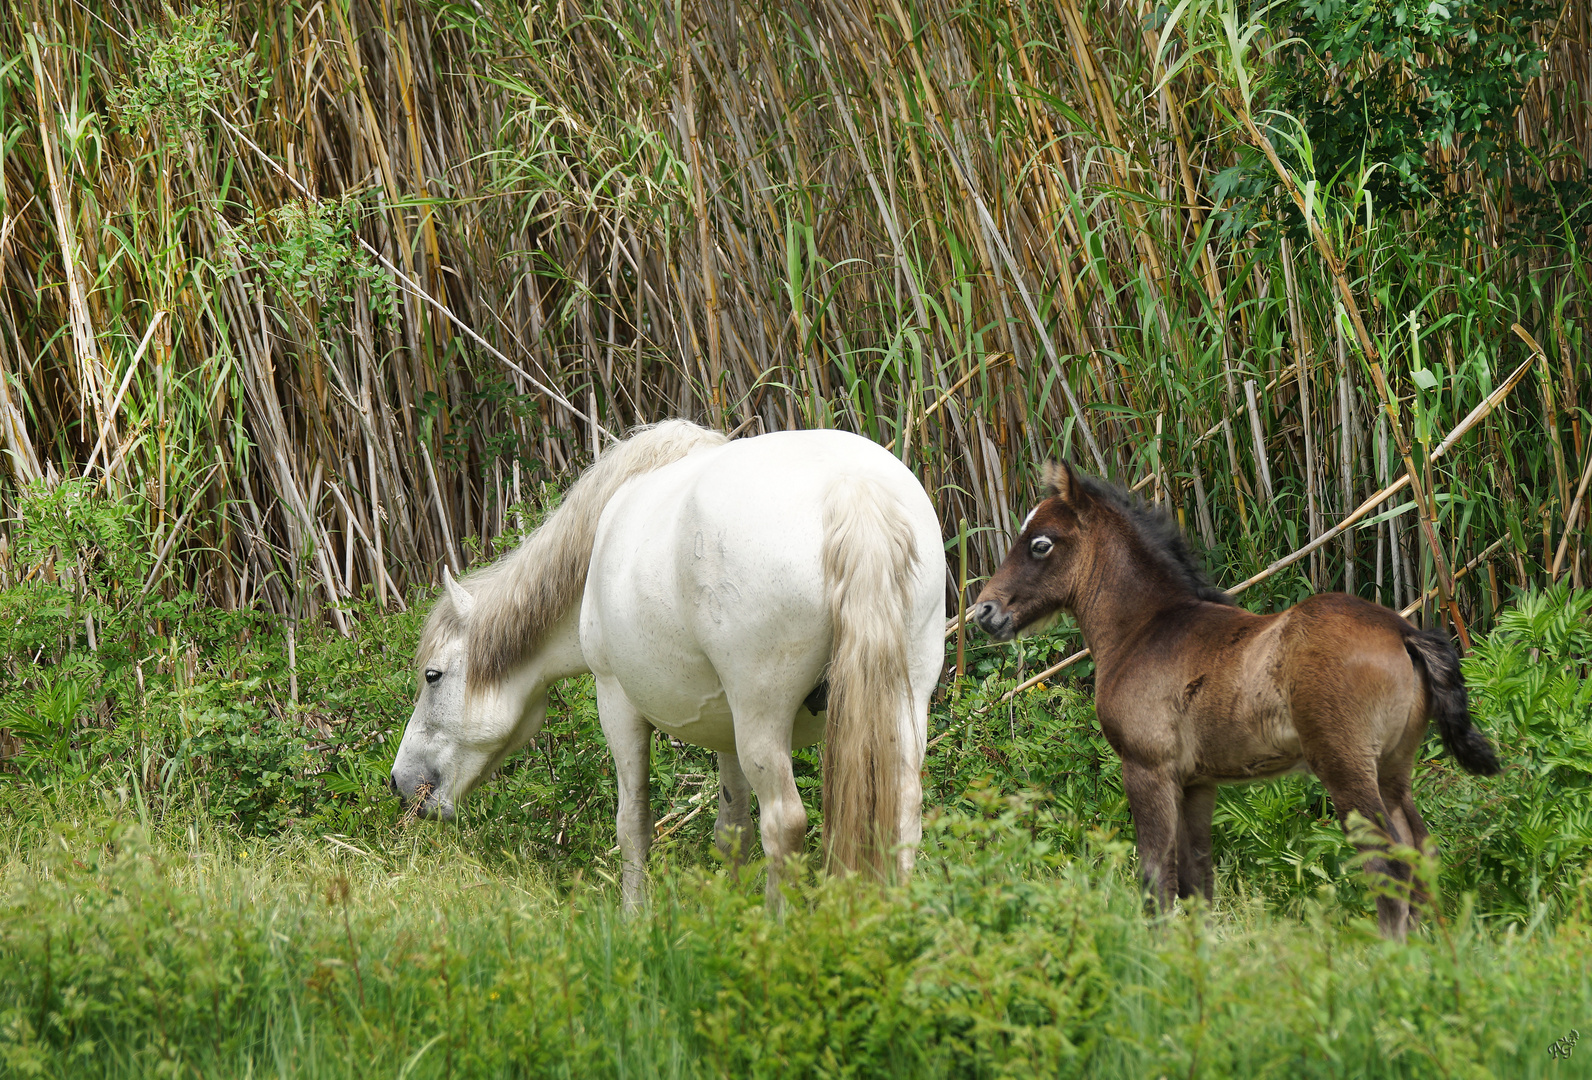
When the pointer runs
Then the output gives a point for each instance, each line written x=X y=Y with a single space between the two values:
x=1524 y=839
x=985 y=966
x=108 y=676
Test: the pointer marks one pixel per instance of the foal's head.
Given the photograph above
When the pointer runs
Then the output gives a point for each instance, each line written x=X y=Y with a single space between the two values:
x=1086 y=532
x=1039 y=576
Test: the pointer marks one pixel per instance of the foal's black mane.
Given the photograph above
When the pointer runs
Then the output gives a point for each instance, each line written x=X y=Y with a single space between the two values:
x=1161 y=537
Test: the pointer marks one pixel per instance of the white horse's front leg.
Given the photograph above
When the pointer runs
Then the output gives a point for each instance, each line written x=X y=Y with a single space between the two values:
x=630 y=740
x=732 y=832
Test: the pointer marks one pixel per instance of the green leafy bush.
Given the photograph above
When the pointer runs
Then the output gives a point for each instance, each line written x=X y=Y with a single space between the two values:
x=1524 y=839
x=986 y=966
x=310 y=251
x=1398 y=98
x=108 y=677
x=185 y=69
x=1384 y=82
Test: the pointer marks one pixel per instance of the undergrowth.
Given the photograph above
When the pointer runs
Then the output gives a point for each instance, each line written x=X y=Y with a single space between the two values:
x=204 y=875
x=108 y=689
x=131 y=948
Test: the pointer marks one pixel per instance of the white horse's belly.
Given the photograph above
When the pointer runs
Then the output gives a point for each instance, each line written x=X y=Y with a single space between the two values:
x=680 y=695
x=710 y=726
x=701 y=716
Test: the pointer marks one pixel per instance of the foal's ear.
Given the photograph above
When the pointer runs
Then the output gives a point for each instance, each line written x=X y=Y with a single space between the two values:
x=463 y=599
x=1060 y=479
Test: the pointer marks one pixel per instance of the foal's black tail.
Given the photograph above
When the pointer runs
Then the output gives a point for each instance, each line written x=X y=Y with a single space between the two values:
x=1450 y=704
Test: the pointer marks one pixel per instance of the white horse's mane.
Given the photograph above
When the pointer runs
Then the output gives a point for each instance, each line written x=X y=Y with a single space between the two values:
x=520 y=596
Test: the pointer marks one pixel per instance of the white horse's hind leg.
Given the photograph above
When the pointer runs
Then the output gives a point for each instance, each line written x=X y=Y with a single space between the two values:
x=763 y=745
x=630 y=740
x=732 y=832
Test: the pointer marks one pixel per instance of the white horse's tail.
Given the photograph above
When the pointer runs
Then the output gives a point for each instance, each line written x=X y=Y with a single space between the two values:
x=869 y=559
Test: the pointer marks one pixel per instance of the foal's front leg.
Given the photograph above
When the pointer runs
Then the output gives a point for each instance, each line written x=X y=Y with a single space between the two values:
x=1194 y=874
x=1155 y=796
x=630 y=740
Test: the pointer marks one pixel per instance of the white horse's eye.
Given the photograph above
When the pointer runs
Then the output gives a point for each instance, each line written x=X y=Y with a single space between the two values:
x=432 y=675
x=1040 y=546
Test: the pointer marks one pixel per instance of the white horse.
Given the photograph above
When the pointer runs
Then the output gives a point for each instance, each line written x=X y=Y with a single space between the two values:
x=720 y=592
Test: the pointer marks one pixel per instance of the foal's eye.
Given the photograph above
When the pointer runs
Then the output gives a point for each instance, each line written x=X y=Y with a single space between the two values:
x=432 y=675
x=1040 y=546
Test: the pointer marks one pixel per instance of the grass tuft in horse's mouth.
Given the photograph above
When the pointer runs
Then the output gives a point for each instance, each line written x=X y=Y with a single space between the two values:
x=416 y=805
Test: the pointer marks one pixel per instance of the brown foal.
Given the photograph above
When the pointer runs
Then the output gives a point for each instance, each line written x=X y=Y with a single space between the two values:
x=1193 y=691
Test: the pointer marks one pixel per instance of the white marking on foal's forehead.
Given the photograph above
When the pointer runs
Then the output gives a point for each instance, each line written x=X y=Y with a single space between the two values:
x=1026 y=520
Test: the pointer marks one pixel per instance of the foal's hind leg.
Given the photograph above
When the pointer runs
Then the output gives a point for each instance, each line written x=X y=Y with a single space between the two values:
x=1155 y=798
x=732 y=832
x=1411 y=828
x=1194 y=841
x=1420 y=895
x=1353 y=788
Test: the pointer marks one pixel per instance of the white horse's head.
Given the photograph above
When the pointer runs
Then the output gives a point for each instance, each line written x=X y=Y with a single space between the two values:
x=462 y=729
x=492 y=647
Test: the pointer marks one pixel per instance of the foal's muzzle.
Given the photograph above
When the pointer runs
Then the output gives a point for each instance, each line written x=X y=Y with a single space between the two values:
x=994 y=620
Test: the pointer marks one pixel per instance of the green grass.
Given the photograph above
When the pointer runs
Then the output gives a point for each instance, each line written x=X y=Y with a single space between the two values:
x=128 y=950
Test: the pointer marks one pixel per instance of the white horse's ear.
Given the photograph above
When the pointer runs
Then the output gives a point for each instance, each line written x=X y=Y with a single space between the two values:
x=463 y=599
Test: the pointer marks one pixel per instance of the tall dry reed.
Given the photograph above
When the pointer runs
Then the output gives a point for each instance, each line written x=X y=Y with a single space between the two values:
x=985 y=234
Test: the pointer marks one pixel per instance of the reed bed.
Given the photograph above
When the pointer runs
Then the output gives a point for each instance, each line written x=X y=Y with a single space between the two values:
x=334 y=293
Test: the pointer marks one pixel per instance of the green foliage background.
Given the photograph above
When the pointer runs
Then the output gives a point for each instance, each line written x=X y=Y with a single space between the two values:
x=984 y=233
